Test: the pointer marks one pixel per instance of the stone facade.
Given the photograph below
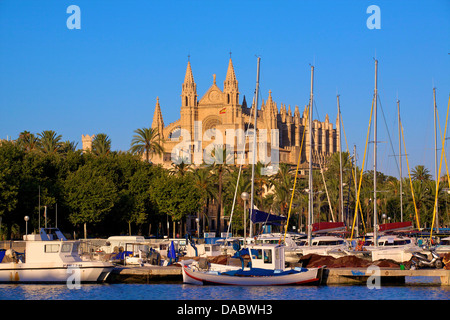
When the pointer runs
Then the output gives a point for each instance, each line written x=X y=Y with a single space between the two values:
x=206 y=121
x=219 y=110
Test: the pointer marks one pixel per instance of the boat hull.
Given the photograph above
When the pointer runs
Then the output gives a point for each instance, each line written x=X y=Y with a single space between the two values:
x=54 y=273
x=197 y=277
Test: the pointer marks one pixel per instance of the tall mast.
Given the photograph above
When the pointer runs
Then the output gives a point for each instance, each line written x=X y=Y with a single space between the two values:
x=254 y=147
x=435 y=156
x=310 y=184
x=400 y=160
x=375 y=223
x=356 y=190
x=341 y=191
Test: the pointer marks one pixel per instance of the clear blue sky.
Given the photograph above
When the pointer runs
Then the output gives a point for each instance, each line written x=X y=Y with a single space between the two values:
x=106 y=76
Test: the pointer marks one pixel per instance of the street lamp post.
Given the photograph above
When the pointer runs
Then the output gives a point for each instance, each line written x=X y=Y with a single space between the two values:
x=26 y=218
x=198 y=227
x=245 y=197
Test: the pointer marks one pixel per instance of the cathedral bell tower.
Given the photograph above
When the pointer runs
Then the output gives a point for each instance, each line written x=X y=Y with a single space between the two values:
x=189 y=103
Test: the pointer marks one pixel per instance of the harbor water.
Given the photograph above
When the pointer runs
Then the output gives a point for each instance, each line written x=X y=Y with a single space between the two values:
x=417 y=289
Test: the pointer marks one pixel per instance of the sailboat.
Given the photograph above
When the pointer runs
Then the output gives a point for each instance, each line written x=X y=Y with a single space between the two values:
x=388 y=246
x=267 y=261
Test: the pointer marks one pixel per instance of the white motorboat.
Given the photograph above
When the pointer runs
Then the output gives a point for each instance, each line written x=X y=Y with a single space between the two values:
x=327 y=246
x=50 y=257
x=267 y=268
x=203 y=250
x=393 y=247
x=293 y=251
x=444 y=246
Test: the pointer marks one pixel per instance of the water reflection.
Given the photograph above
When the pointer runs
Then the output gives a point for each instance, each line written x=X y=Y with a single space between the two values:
x=190 y=292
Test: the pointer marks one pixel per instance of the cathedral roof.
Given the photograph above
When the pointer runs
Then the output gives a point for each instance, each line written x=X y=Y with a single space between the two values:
x=213 y=96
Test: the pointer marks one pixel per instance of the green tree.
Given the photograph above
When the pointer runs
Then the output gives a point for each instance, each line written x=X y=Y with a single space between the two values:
x=219 y=168
x=101 y=145
x=90 y=195
x=421 y=173
x=27 y=141
x=49 y=141
x=146 y=141
x=175 y=197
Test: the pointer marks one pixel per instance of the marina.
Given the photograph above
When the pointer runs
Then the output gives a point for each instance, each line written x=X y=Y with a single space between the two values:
x=331 y=276
x=140 y=161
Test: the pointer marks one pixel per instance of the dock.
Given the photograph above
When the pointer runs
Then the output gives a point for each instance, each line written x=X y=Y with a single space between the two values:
x=146 y=274
x=336 y=276
x=331 y=276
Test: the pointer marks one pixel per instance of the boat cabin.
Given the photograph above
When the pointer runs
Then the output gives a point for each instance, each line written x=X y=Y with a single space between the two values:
x=327 y=241
x=445 y=241
x=50 y=245
x=267 y=256
x=203 y=250
x=390 y=241
x=115 y=243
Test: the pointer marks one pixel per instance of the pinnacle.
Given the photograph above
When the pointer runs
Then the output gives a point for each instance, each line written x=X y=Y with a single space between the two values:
x=231 y=76
x=189 y=77
x=157 y=116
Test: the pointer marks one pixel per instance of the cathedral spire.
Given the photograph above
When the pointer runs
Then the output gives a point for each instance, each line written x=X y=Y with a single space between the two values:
x=231 y=76
x=158 y=122
x=230 y=85
x=189 y=77
x=189 y=89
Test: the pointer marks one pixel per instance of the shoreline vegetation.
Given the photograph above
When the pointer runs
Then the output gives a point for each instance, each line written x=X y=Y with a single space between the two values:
x=101 y=192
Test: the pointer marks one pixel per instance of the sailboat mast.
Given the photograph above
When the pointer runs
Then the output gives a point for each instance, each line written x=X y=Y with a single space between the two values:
x=356 y=190
x=341 y=191
x=400 y=160
x=254 y=148
x=435 y=155
x=375 y=222
x=310 y=184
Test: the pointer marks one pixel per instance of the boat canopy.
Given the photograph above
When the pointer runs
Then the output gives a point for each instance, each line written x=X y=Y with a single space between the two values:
x=396 y=226
x=324 y=227
x=259 y=216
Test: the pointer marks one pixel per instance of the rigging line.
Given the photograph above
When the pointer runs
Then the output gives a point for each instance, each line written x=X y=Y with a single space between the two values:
x=410 y=180
x=362 y=170
x=354 y=168
x=437 y=178
x=445 y=156
x=389 y=134
x=242 y=161
x=295 y=179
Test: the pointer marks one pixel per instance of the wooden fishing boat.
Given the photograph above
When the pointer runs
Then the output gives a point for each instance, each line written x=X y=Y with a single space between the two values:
x=266 y=269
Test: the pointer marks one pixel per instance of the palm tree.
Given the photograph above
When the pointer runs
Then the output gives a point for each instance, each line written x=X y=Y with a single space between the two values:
x=101 y=145
x=68 y=146
x=146 y=141
x=261 y=184
x=27 y=140
x=49 y=141
x=180 y=167
x=421 y=173
x=219 y=168
x=282 y=182
x=202 y=182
